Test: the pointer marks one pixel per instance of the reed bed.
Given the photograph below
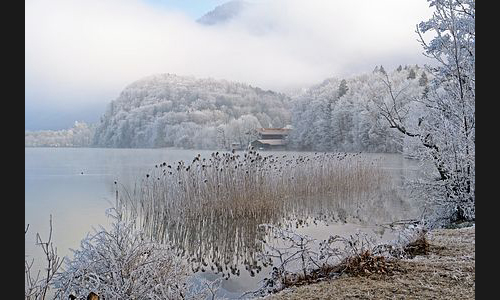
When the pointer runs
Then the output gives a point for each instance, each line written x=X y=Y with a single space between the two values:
x=211 y=207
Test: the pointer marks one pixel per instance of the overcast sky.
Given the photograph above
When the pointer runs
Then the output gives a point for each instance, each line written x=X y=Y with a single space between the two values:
x=80 y=54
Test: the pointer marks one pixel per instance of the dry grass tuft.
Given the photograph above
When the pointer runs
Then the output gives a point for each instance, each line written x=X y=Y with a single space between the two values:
x=420 y=246
x=367 y=264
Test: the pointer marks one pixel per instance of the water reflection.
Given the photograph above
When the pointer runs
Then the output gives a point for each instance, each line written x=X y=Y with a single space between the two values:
x=211 y=208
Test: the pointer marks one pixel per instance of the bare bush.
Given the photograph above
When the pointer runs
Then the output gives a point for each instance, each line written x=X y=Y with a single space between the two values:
x=38 y=286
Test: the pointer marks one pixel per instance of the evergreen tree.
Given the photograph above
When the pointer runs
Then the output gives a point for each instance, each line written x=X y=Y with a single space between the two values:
x=399 y=69
x=422 y=81
x=425 y=92
x=411 y=74
x=343 y=88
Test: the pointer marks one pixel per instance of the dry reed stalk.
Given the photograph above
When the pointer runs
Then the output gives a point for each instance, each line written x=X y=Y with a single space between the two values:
x=212 y=206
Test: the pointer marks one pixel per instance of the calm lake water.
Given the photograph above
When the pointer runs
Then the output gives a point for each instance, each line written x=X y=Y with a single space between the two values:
x=76 y=186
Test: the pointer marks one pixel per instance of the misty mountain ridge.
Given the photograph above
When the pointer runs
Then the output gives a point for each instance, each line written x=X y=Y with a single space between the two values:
x=223 y=13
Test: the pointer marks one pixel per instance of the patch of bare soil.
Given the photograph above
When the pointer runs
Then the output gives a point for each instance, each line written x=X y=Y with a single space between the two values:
x=446 y=272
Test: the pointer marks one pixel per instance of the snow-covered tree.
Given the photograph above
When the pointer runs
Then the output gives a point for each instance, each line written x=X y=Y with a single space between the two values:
x=423 y=79
x=449 y=125
x=243 y=130
x=443 y=119
x=382 y=70
x=411 y=74
x=343 y=88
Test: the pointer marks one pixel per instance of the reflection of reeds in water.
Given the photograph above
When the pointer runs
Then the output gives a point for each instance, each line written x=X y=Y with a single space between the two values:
x=211 y=207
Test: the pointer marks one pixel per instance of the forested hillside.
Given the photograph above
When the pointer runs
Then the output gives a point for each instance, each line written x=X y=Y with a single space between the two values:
x=342 y=115
x=173 y=111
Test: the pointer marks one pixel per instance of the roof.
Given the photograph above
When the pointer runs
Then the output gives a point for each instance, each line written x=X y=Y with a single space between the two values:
x=276 y=142
x=273 y=130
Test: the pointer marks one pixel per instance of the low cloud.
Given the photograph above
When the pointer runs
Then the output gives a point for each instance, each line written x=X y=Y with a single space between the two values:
x=89 y=50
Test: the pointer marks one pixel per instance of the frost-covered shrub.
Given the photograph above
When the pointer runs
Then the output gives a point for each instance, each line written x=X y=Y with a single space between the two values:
x=121 y=264
x=297 y=258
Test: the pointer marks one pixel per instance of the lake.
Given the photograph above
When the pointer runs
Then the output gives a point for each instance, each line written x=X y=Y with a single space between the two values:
x=76 y=186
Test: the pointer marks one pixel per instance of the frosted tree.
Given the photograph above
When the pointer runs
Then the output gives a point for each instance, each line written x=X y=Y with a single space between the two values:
x=343 y=125
x=243 y=130
x=444 y=120
x=382 y=70
x=223 y=141
x=412 y=74
x=249 y=125
x=343 y=88
x=450 y=124
x=422 y=81
x=328 y=138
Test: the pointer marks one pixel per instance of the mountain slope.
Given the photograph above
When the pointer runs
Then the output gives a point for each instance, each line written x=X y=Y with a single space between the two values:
x=223 y=13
